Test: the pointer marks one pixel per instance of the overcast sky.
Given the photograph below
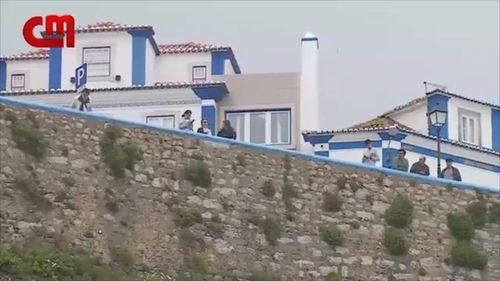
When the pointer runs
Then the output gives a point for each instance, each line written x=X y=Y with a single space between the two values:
x=373 y=55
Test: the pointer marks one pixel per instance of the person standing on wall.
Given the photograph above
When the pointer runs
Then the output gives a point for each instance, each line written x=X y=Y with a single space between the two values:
x=227 y=131
x=450 y=172
x=187 y=123
x=204 y=129
x=370 y=155
x=401 y=163
x=420 y=167
x=82 y=101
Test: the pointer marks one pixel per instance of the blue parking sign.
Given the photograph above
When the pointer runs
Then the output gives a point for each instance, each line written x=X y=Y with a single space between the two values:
x=81 y=77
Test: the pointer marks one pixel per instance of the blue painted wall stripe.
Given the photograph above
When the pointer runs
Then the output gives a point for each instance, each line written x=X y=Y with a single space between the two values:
x=55 y=68
x=438 y=102
x=3 y=76
x=211 y=93
x=218 y=58
x=457 y=159
x=353 y=144
x=138 y=59
x=208 y=112
x=495 y=129
x=255 y=147
x=388 y=156
x=322 y=153
x=315 y=139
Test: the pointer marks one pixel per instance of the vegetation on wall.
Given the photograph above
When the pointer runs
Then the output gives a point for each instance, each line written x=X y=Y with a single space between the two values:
x=332 y=202
x=460 y=225
x=395 y=242
x=27 y=136
x=186 y=218
x=478 y=212
x=32 y=191
x=400 y=213
x=331 y=235
x=118 y=156
x=272 y=229
x=465 y=255
x=198 y=173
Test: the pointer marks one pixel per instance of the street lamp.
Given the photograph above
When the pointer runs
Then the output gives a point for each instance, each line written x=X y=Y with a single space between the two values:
x=392 y=132
x=438 y=119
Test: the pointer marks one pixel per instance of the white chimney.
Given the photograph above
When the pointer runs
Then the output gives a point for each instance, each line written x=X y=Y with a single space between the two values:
x=309 y=95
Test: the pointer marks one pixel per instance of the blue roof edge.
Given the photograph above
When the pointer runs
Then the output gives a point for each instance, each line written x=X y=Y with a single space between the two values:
x=261 y=148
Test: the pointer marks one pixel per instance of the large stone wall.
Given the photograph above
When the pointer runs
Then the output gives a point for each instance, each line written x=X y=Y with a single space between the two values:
x=81 y=190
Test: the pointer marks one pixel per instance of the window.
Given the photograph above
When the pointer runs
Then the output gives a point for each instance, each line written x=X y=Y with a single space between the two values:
x=17 y=82
x=469 y=127
x=262 y=127
x=166 y=121
x=199 y=73
x=98 y=61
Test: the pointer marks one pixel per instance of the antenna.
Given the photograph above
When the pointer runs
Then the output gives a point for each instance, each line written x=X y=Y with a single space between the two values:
x=440 y=87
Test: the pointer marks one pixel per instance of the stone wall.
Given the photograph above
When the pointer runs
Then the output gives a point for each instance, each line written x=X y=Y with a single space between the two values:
x=94 y=211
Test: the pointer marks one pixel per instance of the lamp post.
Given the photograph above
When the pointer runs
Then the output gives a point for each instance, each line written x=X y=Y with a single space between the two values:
x=392 y=132
x=437 y=119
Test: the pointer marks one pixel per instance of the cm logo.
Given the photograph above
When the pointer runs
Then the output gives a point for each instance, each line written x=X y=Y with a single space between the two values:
x=53 y=38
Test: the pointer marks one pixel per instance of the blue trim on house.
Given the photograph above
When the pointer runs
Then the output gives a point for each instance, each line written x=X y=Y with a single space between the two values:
x=55 y=68
x=397 y=137
x=138 y=57
x=495 y=129
x=438 y=91
x=438 y=102
x=322 y=153
x=388 y=156
x=315 y=139
x=456 y=159
x=255 y=147
x=352 y=144
x=216 y=92
x=208 y=112
x=218 y=60
x=3 y=75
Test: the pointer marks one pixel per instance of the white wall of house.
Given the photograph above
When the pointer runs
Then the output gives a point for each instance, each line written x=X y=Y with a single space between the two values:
x=455 y=104
x=228 y=67
x=179 y=67
x=36 y=73
x=414 y=117
x=150 y=64
x=121 y=59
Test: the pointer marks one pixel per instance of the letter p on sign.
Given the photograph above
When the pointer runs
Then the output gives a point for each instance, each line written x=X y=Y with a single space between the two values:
x=81 y=77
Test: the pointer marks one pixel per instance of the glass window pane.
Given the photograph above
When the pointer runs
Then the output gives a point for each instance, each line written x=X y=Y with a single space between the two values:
x=471 y=129
x=464 y=128
x=257 y=127
x=280 y=127
x=238 y=123
x=96 y=55
x=98 y=69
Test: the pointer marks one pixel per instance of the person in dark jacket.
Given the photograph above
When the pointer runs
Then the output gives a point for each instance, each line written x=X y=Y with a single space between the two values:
x=420 y=167
x=227 y=131
x=204 y=129
x=401 y=163
x=450 y=172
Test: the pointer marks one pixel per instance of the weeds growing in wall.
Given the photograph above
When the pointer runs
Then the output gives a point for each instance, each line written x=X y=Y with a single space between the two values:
x=118 y=156
x=27 y=136
x=399 y=215
x=331 y=235
x=33 y=192
x=198 y=173
x=272 y=229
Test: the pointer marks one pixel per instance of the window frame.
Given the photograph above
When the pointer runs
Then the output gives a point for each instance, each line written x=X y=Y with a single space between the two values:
x=267 y=125
x=162 y=116
x=109 y=59
x=193 y=70
x=466 y=127
x=12 y=78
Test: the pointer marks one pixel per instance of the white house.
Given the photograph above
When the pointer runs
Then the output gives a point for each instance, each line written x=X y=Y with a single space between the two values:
x=470 y=136
x=131 y=76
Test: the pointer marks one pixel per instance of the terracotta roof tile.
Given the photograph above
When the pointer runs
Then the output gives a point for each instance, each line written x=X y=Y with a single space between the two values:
x=110 y=26
x=189 y=47
x=39 y=54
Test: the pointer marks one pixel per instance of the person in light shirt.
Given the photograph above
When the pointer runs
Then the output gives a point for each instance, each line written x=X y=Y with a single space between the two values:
x=370 y=155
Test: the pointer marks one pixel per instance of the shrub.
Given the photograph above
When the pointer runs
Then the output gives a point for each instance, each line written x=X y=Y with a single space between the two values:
x=332 y=202
x=10 y=116
x=32 y=192
x=29 y=139
x=478 y=212
x=288 y=192
x=198 y=174
x=187 y=218
x=264 y=277
x=118 y=157
x=333 y=276
x=272 y=229
x=331 y=235
x=465 y=255
x=268 y=189
x=495 y=213
x=395 y=242
x=460 y=226
x=400 y=213
x=122 y=256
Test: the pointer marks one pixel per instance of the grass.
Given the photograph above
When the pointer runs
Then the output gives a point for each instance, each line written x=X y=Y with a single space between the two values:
x=332 y=202
x=331 y=235
x=478 y=212
x=118 y=157
x=33 y=192
x=333 y=276
x=29 y=139
x=395 y=242
x=460 y=225
x=400 y=213
x=268 y=189
x=272 y=230
x=465 y=255
x=187 y=218
x=198 y=173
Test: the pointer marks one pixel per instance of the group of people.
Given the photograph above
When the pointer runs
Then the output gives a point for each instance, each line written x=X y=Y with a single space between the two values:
x=371 y=157
x=187 y=125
